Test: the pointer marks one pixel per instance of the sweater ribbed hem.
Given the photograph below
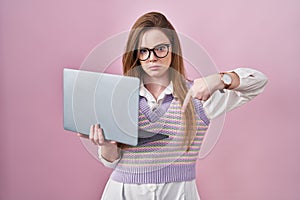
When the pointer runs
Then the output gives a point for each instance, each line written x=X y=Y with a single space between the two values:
x=171 y=173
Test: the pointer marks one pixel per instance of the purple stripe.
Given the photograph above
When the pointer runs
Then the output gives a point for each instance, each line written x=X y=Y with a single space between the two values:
x=157 y=175
x=165 y=154
x=156 y=149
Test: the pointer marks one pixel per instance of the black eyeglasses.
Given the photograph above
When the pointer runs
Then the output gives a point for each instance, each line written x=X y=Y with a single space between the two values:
x=160 y=51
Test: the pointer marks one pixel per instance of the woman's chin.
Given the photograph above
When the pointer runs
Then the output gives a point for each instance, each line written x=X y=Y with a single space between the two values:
x=155 y=74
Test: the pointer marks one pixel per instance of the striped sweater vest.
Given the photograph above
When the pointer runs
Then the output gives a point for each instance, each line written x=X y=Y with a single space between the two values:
x=165 y=160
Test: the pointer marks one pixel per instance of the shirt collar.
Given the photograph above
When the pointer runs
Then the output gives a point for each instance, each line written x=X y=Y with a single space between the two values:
x=144 y=92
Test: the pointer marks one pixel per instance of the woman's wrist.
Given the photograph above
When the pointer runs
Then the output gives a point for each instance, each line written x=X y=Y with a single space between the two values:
x=219 y=83
x=110 y=152
x=234 y=81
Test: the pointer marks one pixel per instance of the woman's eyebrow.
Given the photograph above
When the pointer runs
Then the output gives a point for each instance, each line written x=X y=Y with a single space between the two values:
x=143 y=47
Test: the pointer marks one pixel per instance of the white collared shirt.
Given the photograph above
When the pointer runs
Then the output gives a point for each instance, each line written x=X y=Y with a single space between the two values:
x=152 y=102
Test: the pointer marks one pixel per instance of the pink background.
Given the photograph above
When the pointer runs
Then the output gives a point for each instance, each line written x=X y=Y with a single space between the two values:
x=257 y=156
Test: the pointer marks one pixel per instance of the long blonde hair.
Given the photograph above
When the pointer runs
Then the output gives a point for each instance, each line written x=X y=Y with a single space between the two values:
x=131 y=63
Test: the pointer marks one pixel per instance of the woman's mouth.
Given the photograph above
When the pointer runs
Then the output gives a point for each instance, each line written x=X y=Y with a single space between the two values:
x=154 y=67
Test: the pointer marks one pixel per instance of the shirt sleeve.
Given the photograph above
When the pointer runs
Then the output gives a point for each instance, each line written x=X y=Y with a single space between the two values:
x=107 y=163
x=252 y=83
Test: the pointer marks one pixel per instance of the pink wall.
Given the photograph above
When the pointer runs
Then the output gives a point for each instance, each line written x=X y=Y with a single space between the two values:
x=257 y=154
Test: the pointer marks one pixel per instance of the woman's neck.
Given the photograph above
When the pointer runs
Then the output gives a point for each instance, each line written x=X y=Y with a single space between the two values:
x=156 y=85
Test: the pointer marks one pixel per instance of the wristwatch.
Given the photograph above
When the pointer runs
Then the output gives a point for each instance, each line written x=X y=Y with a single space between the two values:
x=226 y=79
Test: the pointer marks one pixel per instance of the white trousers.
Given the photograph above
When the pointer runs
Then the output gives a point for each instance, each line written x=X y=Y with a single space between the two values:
x=166 y=191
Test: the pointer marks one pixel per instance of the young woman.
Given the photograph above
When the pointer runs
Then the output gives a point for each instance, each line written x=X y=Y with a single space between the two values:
x=165 y=169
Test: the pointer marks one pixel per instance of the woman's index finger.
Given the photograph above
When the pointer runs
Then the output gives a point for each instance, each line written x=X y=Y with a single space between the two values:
x=186 y=100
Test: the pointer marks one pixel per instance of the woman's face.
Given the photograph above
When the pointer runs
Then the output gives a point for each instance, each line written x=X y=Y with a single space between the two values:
x=154 y=66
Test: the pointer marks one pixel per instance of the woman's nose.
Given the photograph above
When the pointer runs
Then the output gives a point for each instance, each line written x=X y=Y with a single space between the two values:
x=152 y=57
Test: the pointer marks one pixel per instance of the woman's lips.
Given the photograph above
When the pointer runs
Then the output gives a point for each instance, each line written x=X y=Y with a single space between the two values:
x=154 y=67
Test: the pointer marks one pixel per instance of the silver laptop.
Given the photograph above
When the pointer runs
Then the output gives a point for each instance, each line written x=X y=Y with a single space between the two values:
x=109 y=100
x=99 y=98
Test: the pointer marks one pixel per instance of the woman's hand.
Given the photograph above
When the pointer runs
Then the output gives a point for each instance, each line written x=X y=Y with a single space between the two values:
x=109 y=149
x=203 y=88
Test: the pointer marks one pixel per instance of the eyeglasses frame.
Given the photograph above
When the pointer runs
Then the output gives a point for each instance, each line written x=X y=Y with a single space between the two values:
x=168 y=46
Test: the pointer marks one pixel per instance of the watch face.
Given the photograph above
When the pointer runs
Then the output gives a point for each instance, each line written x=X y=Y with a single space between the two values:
x=227 y=79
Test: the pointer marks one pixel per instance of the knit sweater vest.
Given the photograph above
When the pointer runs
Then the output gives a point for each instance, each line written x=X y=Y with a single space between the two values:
x=164 y=160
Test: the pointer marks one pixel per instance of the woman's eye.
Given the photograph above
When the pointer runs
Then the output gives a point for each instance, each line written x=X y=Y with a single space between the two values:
x=143 y=51
x=161 y=48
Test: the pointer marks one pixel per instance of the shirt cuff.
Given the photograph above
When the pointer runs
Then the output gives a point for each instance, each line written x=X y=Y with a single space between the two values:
x=107 y=163
x=249 y=78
